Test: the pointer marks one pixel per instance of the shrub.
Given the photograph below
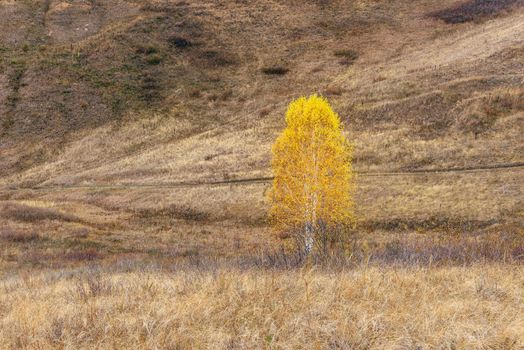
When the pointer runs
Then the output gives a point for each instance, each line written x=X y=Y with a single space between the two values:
x=10 y=235
x=277 y=70
x=348 y=56
x=180 y=42
x=25 y=213
x=153 y=60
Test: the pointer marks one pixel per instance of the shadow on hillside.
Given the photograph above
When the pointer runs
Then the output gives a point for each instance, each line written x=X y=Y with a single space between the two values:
x=474 y=10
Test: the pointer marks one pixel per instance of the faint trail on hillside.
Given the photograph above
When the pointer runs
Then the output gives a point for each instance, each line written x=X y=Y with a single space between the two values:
x=267 y=179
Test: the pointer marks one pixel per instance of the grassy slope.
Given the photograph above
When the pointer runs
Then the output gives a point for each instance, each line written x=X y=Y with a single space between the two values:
x=422 y=93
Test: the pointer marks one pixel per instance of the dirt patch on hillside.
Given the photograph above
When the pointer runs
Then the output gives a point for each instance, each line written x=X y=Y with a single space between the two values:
x=72 y=106
x=4 y=93
x=15 y=21
x=71 y=21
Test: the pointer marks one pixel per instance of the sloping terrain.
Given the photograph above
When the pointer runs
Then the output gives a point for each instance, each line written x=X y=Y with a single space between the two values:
x=109 y=91
x=146 y=93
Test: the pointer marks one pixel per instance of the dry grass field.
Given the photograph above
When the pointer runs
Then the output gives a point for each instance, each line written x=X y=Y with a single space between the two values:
x=125 y=127
x=478 y=307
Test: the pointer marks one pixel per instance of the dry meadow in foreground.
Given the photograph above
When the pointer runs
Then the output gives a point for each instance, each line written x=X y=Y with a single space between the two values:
x=476 y=307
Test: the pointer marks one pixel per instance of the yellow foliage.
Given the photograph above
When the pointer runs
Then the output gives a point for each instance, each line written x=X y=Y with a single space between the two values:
x=312 y=168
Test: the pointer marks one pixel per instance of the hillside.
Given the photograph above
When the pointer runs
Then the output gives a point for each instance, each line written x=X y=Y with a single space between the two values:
x=143 y=94
x=180 y=89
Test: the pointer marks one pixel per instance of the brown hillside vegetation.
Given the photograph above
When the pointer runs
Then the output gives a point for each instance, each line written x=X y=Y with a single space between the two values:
x=134 y=93
x=148 y=92
x=196 y=103
x=184 y=86
x=135 y=145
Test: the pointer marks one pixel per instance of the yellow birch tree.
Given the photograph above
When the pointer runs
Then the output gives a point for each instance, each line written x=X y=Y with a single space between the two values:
x=312 y=186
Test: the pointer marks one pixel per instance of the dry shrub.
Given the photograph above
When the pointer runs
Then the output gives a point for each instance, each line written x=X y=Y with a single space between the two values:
x=80 y=233
x=91 y=254
x=427 y=223
x=195 y=93
x=483 y=113
x=214 y=58
x=164 y=8
x=347 y=56
x=451 y=250
x=153 y=60
x=334 y=91
x=504 y=102
x=179 y=42
x=147 y=50
x=172 y=212
x=437 y=249
x=265 y=111
x=475 y=122
x=91 y=286
x=10 y=235
x=276 y=70
x=25 y=213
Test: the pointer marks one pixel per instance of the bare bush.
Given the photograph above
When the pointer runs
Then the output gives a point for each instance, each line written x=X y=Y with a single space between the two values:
x=25 y=213
x=16 y=236
x=173 y=212
x=276 y=70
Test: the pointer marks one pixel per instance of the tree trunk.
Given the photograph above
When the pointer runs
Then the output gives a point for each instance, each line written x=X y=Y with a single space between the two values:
x=308 y=238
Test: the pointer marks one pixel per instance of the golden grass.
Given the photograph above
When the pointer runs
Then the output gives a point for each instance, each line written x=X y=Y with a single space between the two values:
x=366 y=308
